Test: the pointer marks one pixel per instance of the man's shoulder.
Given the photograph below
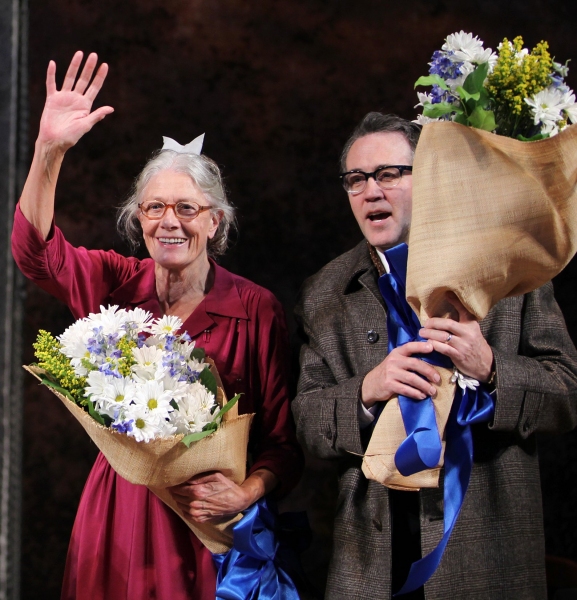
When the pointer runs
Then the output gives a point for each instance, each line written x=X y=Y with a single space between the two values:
x=328 y=286
x=338 y=272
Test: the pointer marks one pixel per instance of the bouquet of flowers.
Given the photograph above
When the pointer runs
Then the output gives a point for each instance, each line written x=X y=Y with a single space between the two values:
x=150 y=401
x=493 y=216
x=516 y=93
x=134 y=375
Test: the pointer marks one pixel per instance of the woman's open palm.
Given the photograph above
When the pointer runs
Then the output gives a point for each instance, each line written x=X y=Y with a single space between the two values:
x=67 y=113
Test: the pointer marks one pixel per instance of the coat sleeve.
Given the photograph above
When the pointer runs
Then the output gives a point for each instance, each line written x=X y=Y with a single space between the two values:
x=273 y=441
x=536 y=388
x=326 y=404
x=80 y=278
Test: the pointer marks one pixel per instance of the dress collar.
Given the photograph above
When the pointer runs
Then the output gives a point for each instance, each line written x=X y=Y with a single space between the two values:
x=223 y=299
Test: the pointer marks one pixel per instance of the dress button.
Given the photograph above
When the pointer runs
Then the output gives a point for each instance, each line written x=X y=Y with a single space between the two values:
x=372 y=336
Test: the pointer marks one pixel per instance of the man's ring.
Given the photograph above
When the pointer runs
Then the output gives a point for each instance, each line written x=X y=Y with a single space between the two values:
x=449 y=337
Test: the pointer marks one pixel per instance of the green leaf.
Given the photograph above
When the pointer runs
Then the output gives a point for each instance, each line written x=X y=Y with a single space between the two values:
x=92 y=412
x=461 y=119
x=174 y=404
x=439 y=110
x=483 y=119
x=432 y=80
x=208 y=380
x=465 y=95
x=198 y=353
x=47 y=382
x=227 y=407
x=475 y=80
x=534 y=138
x=195 y=437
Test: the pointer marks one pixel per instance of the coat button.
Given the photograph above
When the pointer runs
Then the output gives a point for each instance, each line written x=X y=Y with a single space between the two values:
x=372 y=336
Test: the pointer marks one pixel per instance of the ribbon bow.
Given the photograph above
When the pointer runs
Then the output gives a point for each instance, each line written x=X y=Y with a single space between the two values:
x=250 y=570
x=422 y=447
x=194 y=147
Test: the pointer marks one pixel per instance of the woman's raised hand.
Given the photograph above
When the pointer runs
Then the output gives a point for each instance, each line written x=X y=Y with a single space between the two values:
x=67 y=113
x=65 y=119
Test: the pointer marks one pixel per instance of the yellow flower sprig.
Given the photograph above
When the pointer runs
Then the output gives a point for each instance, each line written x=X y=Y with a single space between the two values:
x=127 y=359
x=58 y=367
x=518 y=75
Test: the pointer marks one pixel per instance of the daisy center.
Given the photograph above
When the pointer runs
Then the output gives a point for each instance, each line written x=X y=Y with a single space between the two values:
x=119 y=398
x=153 y=403
x=140 y=423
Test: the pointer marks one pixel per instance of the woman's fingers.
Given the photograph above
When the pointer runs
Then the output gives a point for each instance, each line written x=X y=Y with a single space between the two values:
x=97 y=82
x=51 y=78
x=72 y=71
x=86 y=73
x=83 y=85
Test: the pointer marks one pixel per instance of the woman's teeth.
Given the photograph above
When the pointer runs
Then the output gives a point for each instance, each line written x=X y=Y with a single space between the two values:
x=171 y=240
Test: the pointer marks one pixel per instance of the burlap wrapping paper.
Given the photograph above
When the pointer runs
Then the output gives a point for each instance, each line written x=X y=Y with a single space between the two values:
x=162 y=463
x=492 y=217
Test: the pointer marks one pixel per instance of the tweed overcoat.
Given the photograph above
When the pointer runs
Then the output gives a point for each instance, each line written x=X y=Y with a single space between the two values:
x=496 y=550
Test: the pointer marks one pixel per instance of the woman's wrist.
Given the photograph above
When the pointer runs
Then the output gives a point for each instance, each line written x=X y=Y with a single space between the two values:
x=258 y=484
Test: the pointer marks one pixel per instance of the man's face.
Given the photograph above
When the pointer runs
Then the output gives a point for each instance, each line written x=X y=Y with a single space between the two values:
x=384 y=216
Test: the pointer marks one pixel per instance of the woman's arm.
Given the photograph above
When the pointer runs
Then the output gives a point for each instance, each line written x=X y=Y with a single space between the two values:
x=65 y=119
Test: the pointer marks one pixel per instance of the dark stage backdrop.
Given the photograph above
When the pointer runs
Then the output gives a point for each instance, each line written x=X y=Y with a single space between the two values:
x=277 y=86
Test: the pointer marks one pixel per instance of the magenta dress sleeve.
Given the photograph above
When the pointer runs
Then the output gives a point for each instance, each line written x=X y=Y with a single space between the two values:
x=83 y=279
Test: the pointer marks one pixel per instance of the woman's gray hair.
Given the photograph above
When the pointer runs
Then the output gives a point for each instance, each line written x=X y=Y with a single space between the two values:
x=204 y=172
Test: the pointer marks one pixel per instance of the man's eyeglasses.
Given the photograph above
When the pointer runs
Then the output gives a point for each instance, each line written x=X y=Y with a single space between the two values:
x=387 y=177
x=184 y=211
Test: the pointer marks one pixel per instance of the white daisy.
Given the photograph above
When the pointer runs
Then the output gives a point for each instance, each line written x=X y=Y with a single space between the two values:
x=148 y=363
x=167 y=325
x=110 y=319
x=422 y=120
x=153 y=396
x=137 y=321
x=546 y=107
x=74 y=344
x=194 y=409
x=145 y=426
x=116 y=396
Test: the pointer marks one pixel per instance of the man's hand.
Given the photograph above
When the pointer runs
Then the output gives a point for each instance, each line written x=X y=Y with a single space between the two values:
x=400 y=373
x=462 y=341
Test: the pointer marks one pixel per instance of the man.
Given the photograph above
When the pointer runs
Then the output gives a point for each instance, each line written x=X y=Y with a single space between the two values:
x=521 y=351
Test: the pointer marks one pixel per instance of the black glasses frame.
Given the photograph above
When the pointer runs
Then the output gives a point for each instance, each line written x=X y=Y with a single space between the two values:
x=402 y=169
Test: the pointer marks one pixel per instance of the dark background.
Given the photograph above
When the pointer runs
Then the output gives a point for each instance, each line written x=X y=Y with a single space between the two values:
x=277 y=86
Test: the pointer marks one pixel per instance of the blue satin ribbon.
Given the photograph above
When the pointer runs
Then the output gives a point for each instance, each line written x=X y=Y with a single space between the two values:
x=422 y=447
x=250 y=570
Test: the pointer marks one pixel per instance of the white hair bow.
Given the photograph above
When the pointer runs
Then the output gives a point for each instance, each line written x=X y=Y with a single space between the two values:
x=194 y=147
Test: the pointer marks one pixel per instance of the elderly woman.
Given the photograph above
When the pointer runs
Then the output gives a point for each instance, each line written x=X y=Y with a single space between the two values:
x=126 y=543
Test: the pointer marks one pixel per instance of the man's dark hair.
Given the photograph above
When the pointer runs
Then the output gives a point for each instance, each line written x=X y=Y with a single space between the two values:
x=376 y=122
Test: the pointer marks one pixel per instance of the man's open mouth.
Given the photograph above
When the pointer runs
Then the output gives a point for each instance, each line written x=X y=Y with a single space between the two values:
x=381 y=216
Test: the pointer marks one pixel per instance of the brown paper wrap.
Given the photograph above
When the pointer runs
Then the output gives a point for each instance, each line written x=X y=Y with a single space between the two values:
x=492 y=217
x=162 y=463
x=388 y=434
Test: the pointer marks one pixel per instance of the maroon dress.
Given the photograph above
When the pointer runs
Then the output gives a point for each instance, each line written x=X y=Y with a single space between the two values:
x=126 y=544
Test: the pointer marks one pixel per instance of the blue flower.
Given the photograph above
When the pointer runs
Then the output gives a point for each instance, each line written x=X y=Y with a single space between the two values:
x=124 y=427
x=444 y=66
